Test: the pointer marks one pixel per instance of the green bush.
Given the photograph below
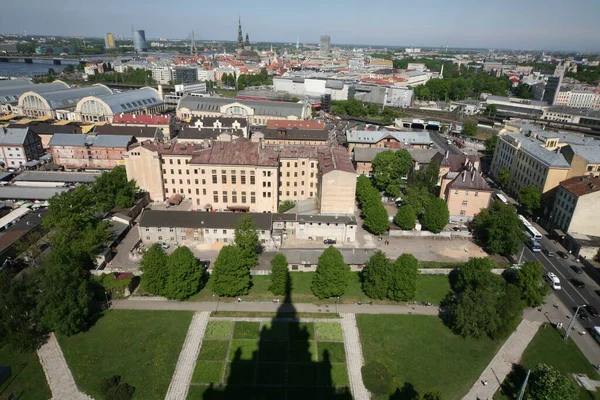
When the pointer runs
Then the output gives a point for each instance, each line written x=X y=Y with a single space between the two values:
x=377 y=378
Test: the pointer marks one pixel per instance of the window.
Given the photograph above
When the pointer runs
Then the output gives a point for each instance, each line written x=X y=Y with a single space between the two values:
x=196 y=181
x=173 y=181
x=288 y=164
x=197 y=192
x=288 y=174
x=252 y=179
x=216 y=196
x=202 y=171
x=188 y=181
x=456 y=192
x=467 y=193
x=214 y=179
x=243 y=179
x=312 y=164
x=215 y=231
x=224 y=231
x=183 y=238
x=171 y=162
x=225 y=197
x=172 y=172
x=179 y=162
x=463 y=212
x=243 y=197
x=223 y=178
x=253 y=197
x=233 y=179
x=464 y=203
x=287 y=193
x=234 y=197
x=160 y=238
x=476 y=194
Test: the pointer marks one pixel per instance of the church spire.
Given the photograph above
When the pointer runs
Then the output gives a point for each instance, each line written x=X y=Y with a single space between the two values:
x=247 y=44
x=240 y=37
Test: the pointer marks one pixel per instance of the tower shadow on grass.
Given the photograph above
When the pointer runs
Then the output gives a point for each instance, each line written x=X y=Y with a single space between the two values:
x=285 y=366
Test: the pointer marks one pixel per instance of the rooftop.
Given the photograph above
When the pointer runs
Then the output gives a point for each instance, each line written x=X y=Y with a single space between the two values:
x=238 y=152
x=11 y=94
x=410 y=137
x=141 y=119
x=294 y=134
x=218 y=122
x=69 y=98
x=271 y=108
x=581 y=185
x=43 y=176
x=131 y=100
x=136 y=131
x=469 y=180
x=300 y=124
x=189 y=132
x=29 y=192
x=532 y=147
x=208 y=220
x=13 y=136
x=114 y=141
x=583 y=112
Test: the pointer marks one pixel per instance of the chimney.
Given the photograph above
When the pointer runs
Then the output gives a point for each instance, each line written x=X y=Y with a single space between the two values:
x=447 y=153
x=160 y=92
x=473 y=176
x=464 y=175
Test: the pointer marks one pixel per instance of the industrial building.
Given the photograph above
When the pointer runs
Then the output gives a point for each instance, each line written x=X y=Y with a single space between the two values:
x=11 y=90
x=96 y=108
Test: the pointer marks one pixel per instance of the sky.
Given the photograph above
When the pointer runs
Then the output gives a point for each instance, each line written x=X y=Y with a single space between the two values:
x=509 y=24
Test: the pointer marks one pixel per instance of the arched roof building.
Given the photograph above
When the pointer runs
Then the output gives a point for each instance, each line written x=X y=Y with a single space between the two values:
x=46 y=104
x=10 y=92
x=103 y=108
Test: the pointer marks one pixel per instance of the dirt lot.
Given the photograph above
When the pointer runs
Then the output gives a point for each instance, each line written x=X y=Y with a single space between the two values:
x=429 y=249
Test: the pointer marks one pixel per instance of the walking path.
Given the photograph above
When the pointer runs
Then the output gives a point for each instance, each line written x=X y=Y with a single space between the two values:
x=59 y=376
x=141 y=303
x=510 y=353
x=180 y=383
x=354 y=357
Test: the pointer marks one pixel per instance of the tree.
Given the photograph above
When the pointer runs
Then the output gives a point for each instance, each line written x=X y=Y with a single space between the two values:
x=523 y=91
x=286 y=205
x=469 y=128
x=417 y=197
x=548 y=383
x=65 y=298
x=530 y=280
x=474 y=312
x=376 y=219
x=491 y=110
x=499 y=229
x=113 y=389
x=280 y=276
x=503 y=177
x=491 y=143
x=332 y=275
x=376 y=276
x=112 y=189
x=156 y=273
x=230 y=276
x=428 y=177
x=389 y=167
x=294 y=99
x=406 y=218
x=19 y=326
x=403 y=278
x=436 y=215
x=246 y=238
x=530 y=199
x=185 y=274
x=474 y=273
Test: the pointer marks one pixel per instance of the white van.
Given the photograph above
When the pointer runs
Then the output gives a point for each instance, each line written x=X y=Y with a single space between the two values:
x=554 y=281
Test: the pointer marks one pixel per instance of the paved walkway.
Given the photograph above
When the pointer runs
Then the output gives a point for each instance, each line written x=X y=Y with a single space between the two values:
x=142 y=303
x=354 y=357
x=502 y=363
x=180 y=383
x=59 y=376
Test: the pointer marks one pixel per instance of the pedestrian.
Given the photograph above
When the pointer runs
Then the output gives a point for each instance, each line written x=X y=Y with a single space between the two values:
x=239 y=300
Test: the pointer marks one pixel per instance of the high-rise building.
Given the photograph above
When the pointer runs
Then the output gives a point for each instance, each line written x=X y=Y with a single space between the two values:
x=325 y=44
x=139 y=40
x=109 y=41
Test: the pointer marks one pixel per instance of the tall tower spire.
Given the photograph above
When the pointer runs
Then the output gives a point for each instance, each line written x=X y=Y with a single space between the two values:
x=240 y=35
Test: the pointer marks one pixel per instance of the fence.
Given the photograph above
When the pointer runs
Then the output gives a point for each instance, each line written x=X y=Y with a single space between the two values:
x=446 y=235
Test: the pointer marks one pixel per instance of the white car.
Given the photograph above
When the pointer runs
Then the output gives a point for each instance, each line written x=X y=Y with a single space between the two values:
x=554 y=281
x=163 y=245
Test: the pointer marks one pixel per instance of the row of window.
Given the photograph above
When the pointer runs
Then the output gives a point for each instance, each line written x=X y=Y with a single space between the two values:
x=288 y=164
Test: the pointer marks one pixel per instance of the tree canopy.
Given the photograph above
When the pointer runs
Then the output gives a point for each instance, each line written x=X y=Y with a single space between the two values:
x=436 y=215
x=469 y=128
x=499 y=229
x=503 y=177
x=406 y=218
x=389 y=169
x=530 y=280
x=548 y=383
x=491 y=143
x=230 y=276
x=383 y=279
x=112 y=189
x=375 y=217
x=280 y=276
x=156 y=274
x=332 y=275
x=530 y=199
x=185 y=274
x=427 y=178
x=246 y=239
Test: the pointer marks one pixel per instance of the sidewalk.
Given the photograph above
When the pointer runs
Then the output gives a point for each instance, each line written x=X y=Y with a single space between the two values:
x=145 y=304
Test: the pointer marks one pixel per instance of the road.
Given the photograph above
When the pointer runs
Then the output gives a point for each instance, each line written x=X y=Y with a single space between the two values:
x=441 y=143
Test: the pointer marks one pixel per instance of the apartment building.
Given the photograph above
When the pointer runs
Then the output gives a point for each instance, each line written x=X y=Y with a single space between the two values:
x=287 y=136
x=577 y=98
x=19 y=146
x=363 y=158
x=241 y=175
x=575 y=209
x=89 y=151
x=390 y=139
x=466 y=194
x=584 y=159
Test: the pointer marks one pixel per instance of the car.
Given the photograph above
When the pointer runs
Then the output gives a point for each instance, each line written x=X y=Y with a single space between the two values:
x=548 y=253
x=597 y=292
x=554 y=281
x=583 y=315
x=576 y=269
x=562 y=254
x=329 y=241
x=578 y=283
x=163 y=245
x=591 y=309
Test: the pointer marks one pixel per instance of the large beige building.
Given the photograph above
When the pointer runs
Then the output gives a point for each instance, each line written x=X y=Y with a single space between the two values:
x=388 y=139
x=575 y=207
x=242 y=175
x=257 y=112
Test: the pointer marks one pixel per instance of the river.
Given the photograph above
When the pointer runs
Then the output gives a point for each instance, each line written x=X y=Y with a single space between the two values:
x=18 y=69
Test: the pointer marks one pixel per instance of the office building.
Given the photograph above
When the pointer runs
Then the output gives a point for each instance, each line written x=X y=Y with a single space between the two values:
x=325 y=44
x=109 y=41
x=139 y=41
x=184 y=75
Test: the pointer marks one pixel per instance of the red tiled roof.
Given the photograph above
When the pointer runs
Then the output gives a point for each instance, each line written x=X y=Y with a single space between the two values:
x=336 y=159
x=581 y=185
x=300 y=124
x=141 y=119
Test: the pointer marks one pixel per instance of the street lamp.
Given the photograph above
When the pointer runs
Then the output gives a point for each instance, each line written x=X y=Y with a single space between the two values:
x=572 y=322
x=107 y=303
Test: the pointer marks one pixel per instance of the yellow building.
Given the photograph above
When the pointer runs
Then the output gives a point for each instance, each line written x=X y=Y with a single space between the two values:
x=575 y=208
x=466 y=194
x=584 y=160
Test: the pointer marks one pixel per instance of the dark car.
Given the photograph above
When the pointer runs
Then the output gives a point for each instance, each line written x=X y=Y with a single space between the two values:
x=548 y=253
x=591 y=309
x=576 y=269
x=329 y=241
x=562 y=254
x=577 y=283
x=597 y=292
x=583 y=315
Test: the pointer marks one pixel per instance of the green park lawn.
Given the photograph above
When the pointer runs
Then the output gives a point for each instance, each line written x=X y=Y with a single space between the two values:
x=548 y=347
x=422 y=351
x=28 y=380
x=140 y=346
x=430 y=288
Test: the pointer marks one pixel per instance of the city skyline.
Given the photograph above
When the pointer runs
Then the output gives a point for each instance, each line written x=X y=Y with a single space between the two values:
x=536 y=25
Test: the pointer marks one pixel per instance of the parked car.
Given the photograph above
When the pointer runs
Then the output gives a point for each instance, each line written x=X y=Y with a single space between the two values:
x=583 y=315
x=163 y=245
x=562 y=254
x=576 y=269
x=548 y=253
x=578 y=283
x=591 y=309
x=329 y=241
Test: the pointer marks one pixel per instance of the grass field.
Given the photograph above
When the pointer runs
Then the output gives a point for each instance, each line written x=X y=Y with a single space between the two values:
x=27 y=380
x=548 y=347
x=430 y=288
x=422 y=351
x=292 y=357
x=140 y=346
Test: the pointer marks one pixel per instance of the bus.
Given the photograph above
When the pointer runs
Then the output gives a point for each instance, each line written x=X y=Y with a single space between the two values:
x=502 y=198
x=534 y=237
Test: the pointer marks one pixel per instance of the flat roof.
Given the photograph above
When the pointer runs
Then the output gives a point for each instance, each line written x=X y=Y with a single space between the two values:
x=70 y=177
x=29 y=193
